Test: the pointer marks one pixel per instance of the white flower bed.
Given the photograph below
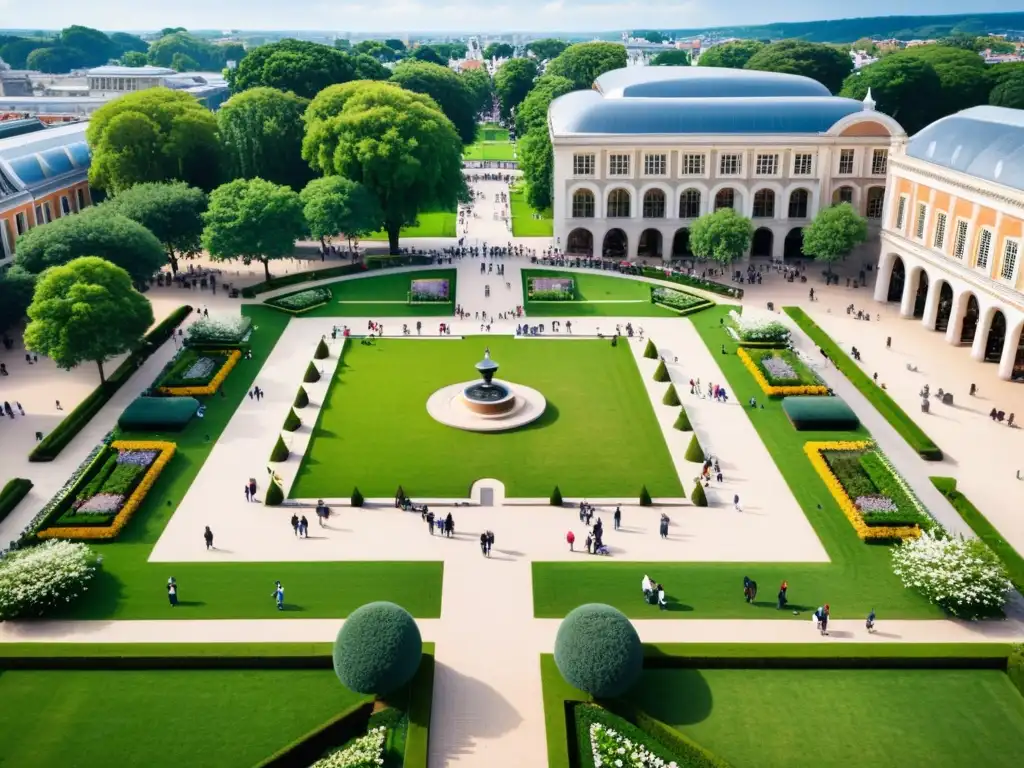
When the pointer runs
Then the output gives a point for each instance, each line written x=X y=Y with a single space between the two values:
x=875 y=504
x=102 y=504
x=200 y=369
x=779 y=368
x=305 y=299
x=610 y=748
x=963 y=576
x=34 y=580
x=755 y=329
x=365 y=752
x=219 y=329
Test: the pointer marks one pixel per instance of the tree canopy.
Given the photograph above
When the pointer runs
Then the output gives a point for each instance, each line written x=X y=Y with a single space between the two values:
x=377 y=50
x=368 y=68
x=172 y=211
x=814 y=60
x=533 y=112
x=96 y=231
x=548 y=48
x=443 y=86
x=583 y=63
x=126 y=43
x=499 y=51
x=336 y=206
x=674 y=58
x=153 y=135
x=16 y=289
x=252 y=220
x=86 y=310
x=963 y=75
x=903 y=87
x=261 y=130
x=429 y=55
x=133 y=59
x=512 y=83
x=299 y=66
x=182 y=62
x=95 y=47
x=55 y=59
x=733 y=55
x=834 y=233
x=535 y=151
x=1008 y=92
x=206 y=55
x=480 y=88
x=449 y=50
x=722 y=236
x=397 y=143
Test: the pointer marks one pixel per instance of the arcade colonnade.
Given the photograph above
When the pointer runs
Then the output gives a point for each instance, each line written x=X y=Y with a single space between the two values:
x=975 y=313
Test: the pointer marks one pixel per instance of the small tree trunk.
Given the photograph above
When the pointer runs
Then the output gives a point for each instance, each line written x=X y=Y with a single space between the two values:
x=174 y=261
x=393 y=230
x=266 y=267
x=103 y=378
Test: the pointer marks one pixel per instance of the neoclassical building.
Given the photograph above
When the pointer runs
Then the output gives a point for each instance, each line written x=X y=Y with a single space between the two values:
x=650 y=149
x=954 y=232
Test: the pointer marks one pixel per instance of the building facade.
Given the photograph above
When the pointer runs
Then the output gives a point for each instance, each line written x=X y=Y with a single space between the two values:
x=43 y=176
x=650 y=149
x=951 y=247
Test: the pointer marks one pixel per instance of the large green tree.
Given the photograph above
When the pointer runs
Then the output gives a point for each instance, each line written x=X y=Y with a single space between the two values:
x=172 y=211
x=206 y=55
x=153 y=135
x=448 y=51
x=96 y=231
x=16 y=289
x=814 y=60
x=56 y=59
x=905 y=88
x=299 y=66
x=674 y=58
x=722 y=236
x=86 y=310
x=133 y=59
x=252 y=220
x=499 y=51
x=368 y=68
x=94 y=46
x=443 y=86
x=548 y=48
x=125 y=43
x=397 y=143
x=428 y=54
x=583 y=63
x=336 y=206
x=480 y=88
x=512 y=83
x=536 y=156
x=732 y=55
x=377 y=50
x=833 y=234
x=963 y=75
x=261 y=130
x=1008 y=92
x=533 y=112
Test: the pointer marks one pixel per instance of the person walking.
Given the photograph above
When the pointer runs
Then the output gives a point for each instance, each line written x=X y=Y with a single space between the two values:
x=617 y=517
x=589 y=543
x=736 y=502
x=490 y=542
x=663 y=526
x=449 y=525
x=570 y=538
x=821 y=619
x=208 y=537
x=248 y=496
x=783 y=599
x=304 y=527
x=430 y=522
x=295 y=525
x=661 y=596
x=278 y=595
x=172 y=591
x=483 y=544
x=869 y=623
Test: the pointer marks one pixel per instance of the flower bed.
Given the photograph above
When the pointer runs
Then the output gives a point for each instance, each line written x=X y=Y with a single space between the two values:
x=176 y=384
x=839 y=464
x=34 y=580
x=679 y=301
x=303 y=301
x=120 y=494
x=215 y=331
x=550 y=289
x=805 y=383
x=610 y=748
x=430 y=290
x=365 y=752
x=758 y=330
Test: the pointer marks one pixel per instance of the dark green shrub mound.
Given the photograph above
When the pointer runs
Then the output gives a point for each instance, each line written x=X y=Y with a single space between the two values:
x=651 y=351
x=819 y=414
x=683 y=421
x=274 y=495
x=312 y=374
x=12 y=493
x=1015 y=667
x=280 y=452
x=291 y=421
x=556 y=497
x=357 y=498
x=378 y=649
x=694 y=452
x=598 y=651
x=671 y=397
x=645 y=497
x=301 y=398
x=322 y=353
x=661 y=373
x=698 y=497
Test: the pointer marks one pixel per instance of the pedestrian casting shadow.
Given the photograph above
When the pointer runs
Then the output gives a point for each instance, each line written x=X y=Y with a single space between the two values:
x=452 y=736
x=190 y=604
x=222 y=551
x=841 y=633
x=791 y=607
x=888 y=635
x=674 y=604
x=658 y=692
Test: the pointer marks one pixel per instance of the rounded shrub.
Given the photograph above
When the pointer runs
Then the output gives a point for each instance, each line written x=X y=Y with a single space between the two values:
x=671 y=397
x=301 y=398
x=683 y=421
x=556 y=497
x=280 y=452
x=661 y=372
x=598 y=651
x=322 y=352
x=698 y=497
x=651 y=351
x=357 y=498
x=378 y=649
x=694 y=452
x=274 y=495
x=291 y=421
x=645 y=497
x=312 y=374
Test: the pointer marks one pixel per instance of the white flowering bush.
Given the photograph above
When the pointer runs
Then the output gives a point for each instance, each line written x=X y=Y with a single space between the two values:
x=963 y=576
x=36 y=580
x=296 y=302
x=611 y=748
x=758 y=329
x=216 y=330
x=365 y=752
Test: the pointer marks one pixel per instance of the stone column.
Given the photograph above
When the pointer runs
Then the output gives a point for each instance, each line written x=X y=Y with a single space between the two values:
x=981 y=336
x=1010 y=346
x=956 y=318
x=883 y=274
x=931 y=304
x=910 y=291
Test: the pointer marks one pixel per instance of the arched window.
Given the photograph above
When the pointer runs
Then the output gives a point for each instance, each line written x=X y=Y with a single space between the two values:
x=726 y=198
x=764 y=204
x=799 y=201
x=654 y=204
x=583 y=204
x=842 y=195
x=618 y=204
x=876 y=202
x=689 y=204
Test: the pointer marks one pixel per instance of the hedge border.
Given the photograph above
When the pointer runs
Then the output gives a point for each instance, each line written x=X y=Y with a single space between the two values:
x=711 y=286
x=12 y=493
x=66 y=431
x=307 y=749
x=421 y=696
x=686 y=750
x=371 y=265
x=891 y=412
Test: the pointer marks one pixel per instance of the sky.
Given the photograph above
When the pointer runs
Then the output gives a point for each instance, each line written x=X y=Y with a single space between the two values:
x=458 y=15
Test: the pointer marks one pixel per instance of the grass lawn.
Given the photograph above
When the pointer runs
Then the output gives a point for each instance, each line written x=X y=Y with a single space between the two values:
x=385 y=295
x=432 y=224
x=599 y=295
x=523 y=222
x=127 y=586
x=858 y=579
x=760 y=718
x=596 y=401
x=489 y=150
x=162 y=718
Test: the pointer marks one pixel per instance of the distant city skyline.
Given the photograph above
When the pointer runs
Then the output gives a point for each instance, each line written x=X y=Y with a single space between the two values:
x=491 y=16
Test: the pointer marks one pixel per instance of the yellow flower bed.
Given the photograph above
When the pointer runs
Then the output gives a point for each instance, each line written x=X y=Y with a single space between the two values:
x=131 y=503
x=209 y=389
x=864 y=531
x=771 y=390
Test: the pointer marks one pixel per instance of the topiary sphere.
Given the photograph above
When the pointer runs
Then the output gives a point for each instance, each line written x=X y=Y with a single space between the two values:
x=378 y=649
x=598 y=651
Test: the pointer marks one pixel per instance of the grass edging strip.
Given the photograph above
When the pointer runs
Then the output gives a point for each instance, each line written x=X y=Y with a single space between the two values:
x=421 y=695
x=891 y=412
x=371 y=264
x=12 y=494
x=309 y=748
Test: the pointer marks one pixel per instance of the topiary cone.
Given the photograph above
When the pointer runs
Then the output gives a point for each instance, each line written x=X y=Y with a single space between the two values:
x=274 y=495
x=357 y=498
x=694 y=452
x=661 y=372
x=645 y=497
x=291 y=421
x=280 y=452
x=312 y=374
x=322 y=352
x=301 y=398
x=671 y=397
x=698 y=497
x=651 y=351
x=556 y=497
x=683 y=421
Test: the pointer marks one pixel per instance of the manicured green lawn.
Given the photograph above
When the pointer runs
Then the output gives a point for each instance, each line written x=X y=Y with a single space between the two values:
x=385 y=295
x=489 y=150
x=755 y=718
x=127 y=586
x=524 y=216
x=556 y=692
x=595 y=401
x=599 y=296
x=858 y=579
x=161 y=718
x=429 y=224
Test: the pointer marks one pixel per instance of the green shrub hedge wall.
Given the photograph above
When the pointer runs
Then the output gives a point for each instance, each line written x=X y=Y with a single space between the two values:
x=556 y=497
x=378 y=649
x=12 y=493
x=598 y=651
x=280 y=451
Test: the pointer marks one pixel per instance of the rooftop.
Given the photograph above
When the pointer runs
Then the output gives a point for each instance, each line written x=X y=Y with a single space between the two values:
x=703 y=82
x=114 y=70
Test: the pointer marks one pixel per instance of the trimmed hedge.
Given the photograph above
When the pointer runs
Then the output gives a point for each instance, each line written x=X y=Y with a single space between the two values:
x=694 y=282
x=697 y=496
x=323 y=274
x=598 y=650
x=291 y=421
x=685 y=750
x=312 y=375
x=891 y=412
x=307 y=749
x=12 y=493
x=280 y=452
x=671 y=396
x=322 y=352
x=357 y=498
x=694 y=452
x=378 y=649
x=683 y=421
x=556 y=497
x=651 y=351
x=301 y=398
x=645 y=497
x=661 y=373
x=1015 y=668
x=421 y=696
x=274 y=495
x=50 y=447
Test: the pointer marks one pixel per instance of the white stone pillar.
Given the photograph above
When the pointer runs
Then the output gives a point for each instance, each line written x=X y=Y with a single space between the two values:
x=1009 y=356
x=981 y=335
x=909 y=291
x=931 y=304
x=883 y=274
x=956 y=318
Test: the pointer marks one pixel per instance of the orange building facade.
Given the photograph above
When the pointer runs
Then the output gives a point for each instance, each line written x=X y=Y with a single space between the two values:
x=953 y=234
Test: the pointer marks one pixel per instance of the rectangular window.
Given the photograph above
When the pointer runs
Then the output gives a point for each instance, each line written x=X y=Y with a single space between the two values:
x=1009 y=259
x=655 y=165
x=65 y=206
x=960 y=242
x=984 y=249
x=803 y=164
x=730 y=165
x=846 y=161
x=767 y=165
x=693 y=165
x=922 y=217
x=618 y=165
x=879 y=162
x=39 y=215
x=901 y=212
x=81 y=198
x=582 y=165
x=22 y=223
x=939 y=241
x=47 y=213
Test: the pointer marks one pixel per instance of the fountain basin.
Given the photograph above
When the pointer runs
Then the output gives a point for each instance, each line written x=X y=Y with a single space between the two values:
x=476 y=406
